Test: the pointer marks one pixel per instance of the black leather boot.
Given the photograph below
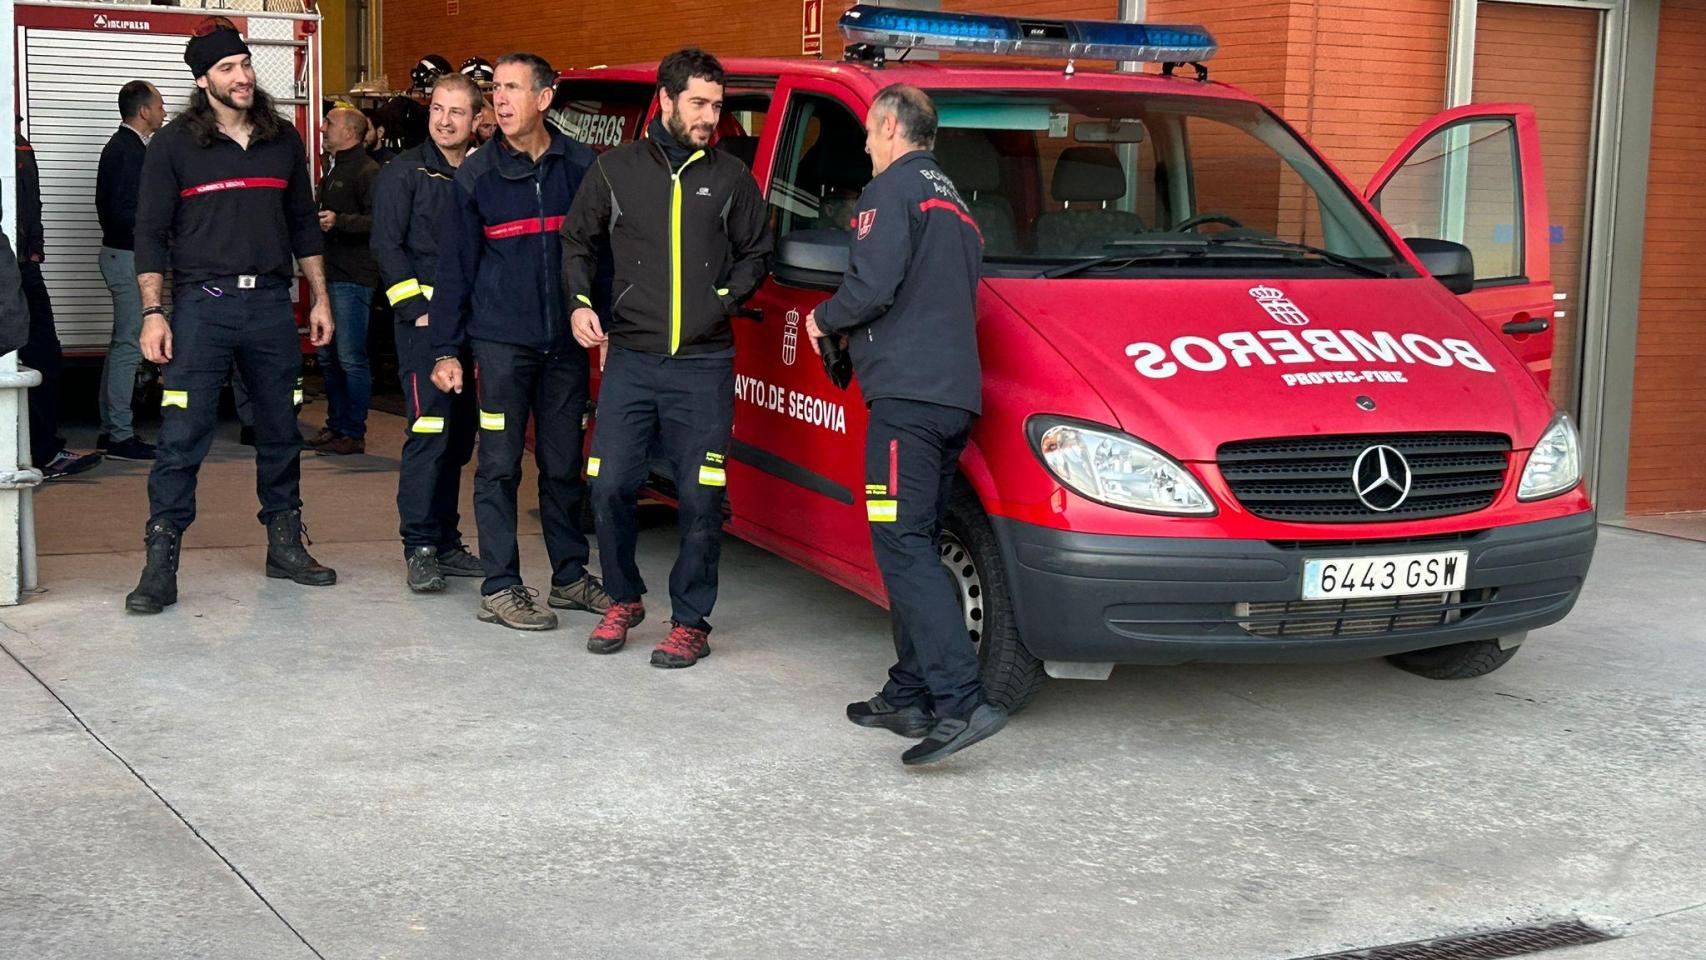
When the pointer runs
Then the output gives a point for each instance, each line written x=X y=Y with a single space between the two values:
x=287 y=559
x=158 y=588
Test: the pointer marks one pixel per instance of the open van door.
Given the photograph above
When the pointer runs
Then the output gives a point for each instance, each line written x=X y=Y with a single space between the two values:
x=1473 y=176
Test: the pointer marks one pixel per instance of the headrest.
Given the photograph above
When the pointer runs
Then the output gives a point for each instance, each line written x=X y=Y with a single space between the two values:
x=969 y=159
x=840 y=165
x=744 y=148
x=1088 y=174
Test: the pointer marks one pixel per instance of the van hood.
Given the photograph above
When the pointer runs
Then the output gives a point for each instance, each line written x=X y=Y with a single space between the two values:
x=1190 y=364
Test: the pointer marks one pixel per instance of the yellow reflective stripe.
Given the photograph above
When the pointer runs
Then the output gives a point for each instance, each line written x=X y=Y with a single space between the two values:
x=592 y=464
x=296 y=397
x=426 y=291
x=399 y=292
x=722 y=291
x=882 y=511
x=582 y=298
x=675 y=254
x=175 y=398
x=428 y=425
x=712 y=477
x=491 y=421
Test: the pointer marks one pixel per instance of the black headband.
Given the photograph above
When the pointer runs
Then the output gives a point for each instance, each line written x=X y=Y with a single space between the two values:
x=210 y=48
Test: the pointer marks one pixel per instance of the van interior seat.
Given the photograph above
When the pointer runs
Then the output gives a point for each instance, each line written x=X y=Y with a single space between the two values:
x=972 y=162
x=745 y=148
x=1092 y=176
x=834 y=171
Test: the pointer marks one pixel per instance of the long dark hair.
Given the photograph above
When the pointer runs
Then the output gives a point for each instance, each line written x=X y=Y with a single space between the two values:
x=264 y=118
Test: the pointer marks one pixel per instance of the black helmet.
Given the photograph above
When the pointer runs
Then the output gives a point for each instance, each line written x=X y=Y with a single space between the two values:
x=478 y=69
x=427 y=71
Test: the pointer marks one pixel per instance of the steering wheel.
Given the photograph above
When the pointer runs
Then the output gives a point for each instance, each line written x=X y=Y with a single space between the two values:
x=1192 y=223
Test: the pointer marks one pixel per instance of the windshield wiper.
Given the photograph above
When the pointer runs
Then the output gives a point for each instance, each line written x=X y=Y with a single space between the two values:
x=1165 y=248
x=1299 y=250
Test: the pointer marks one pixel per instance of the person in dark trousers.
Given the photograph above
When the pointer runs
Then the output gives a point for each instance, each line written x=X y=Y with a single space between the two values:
x=117 y=178
x=346 y=217
x=14 y=311
x=226 y=204
x=693 y=214
x=909 y=307
x=500 y=288
x=42 y=352
x=408 y=206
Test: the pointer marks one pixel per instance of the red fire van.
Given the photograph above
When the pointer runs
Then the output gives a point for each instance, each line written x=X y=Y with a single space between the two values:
x=1234 y=409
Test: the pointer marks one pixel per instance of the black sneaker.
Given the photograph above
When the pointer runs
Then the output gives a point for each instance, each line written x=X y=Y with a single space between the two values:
x=66 y=464
x=131 y=449
x=246 y=436
x=909 y=721
x=102 y=442
x=424 y=573
x=950 y=735
x=456 y=561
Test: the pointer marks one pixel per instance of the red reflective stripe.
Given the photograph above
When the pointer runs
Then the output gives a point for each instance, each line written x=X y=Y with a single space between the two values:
x=241 y=183
x=937 y=203
x=415 y=388
x=518 y=228
x=894 y=468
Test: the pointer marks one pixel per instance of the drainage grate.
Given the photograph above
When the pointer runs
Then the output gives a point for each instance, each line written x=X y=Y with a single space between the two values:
x=1491 y=945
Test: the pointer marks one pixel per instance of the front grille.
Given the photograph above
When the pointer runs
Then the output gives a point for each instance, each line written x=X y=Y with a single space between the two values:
x=1308 y=479
x=1315 y=619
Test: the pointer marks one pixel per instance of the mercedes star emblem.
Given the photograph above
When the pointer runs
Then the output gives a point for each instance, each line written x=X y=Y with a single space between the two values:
x=1381 y=477
x=1366 y=403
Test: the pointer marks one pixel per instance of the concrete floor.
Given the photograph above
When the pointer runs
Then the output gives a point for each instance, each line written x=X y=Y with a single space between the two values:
x=272 y=771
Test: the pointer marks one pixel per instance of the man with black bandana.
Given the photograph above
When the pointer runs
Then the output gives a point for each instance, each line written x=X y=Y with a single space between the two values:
x=686 y=227
x=225 y=203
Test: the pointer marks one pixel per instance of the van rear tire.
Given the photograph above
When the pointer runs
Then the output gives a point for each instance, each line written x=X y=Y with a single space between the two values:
x=1457 y=661
x=1011 y=676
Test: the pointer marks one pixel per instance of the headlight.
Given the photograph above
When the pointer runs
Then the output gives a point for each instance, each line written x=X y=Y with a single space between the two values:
x=1112 y=468
x=1555 y=464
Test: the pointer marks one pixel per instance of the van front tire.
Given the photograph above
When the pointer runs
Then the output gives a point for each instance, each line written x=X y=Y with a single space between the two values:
x=1458 y=661
x=1011 y=676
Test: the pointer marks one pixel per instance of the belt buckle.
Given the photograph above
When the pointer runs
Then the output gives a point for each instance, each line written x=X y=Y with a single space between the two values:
x=246 y=281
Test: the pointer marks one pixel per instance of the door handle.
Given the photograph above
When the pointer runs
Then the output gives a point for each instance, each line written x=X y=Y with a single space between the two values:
x=1538 y=325
x=754 y=314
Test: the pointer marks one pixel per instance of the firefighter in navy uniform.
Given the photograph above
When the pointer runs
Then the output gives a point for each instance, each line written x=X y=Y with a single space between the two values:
x=665 y=206
x=225 y=203
x=412 y=193
x=908 y=307
x=500 y=288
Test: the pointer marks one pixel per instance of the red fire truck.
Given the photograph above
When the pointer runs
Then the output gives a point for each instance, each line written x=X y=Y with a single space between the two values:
x=72 y=60
x=1230 y=412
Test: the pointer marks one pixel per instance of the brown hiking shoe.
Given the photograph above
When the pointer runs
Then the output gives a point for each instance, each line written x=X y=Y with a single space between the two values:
x=515 y=609
x=612 y=632
x=318 y=440
x=341 y=446
x=587 y=593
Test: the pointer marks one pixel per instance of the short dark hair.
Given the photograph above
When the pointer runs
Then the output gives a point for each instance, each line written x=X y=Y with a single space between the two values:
x=544 y=75
x=462 y=82
x=683 y=65
x=132 y=97
x=912 y=111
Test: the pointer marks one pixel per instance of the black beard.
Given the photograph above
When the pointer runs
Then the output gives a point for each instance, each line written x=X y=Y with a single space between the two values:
x=224 y=96
x=677 y=128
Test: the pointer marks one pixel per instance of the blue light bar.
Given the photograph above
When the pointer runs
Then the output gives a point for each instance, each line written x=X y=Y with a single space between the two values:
x=1019 y=36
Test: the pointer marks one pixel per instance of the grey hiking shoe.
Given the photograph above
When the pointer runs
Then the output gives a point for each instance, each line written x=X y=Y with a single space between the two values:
x=456 y=561
x=515 y=609
x=424 y=575
x=587 y=593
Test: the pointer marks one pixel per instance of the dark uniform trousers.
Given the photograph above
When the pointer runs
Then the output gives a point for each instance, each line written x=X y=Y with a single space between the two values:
x=438 y=441
x=513 y=382
x=687 y=406
x=42 y=353
x=212 y=325
x=912 y=454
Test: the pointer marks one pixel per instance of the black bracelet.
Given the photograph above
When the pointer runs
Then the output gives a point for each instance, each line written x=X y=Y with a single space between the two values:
x=151 y=311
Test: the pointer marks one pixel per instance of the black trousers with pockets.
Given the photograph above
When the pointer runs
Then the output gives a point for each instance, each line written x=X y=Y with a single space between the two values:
x=212 y=325
x=686 y=405
x=912 y=455
x=438 y=442
x=515 y=382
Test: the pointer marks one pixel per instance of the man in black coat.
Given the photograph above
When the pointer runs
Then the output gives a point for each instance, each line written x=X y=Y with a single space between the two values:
x=346 y=217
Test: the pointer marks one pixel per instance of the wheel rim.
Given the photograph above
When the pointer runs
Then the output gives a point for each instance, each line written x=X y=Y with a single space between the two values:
x=967 y=581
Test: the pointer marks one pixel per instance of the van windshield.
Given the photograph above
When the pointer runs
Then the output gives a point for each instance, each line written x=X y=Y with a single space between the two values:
x=1097 y=183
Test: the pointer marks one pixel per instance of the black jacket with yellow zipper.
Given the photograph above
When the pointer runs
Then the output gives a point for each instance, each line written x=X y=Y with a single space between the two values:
x=689 y=243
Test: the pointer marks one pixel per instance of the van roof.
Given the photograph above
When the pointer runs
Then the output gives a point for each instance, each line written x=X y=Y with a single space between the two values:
x=868 y=79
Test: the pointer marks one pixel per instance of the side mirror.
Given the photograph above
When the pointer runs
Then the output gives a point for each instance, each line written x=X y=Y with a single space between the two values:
x=1450 y=263
x=814 y=259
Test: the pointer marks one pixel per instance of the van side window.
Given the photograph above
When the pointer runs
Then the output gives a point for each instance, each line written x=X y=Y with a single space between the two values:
x=821 y=168
x=600 y=113
x=1463 y=184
